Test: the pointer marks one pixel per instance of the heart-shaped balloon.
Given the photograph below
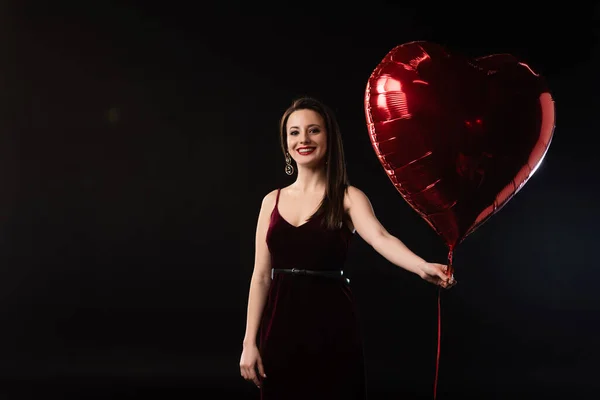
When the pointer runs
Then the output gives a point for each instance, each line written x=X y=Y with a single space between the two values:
x=458 y=137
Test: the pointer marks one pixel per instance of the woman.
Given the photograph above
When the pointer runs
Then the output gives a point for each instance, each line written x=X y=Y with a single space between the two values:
x=302 y=339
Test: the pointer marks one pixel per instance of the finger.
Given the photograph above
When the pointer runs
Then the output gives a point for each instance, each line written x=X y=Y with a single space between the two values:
x=442 y=276
x=252 y=377
x=245 y=374
x=261 y=368
x=450 y=283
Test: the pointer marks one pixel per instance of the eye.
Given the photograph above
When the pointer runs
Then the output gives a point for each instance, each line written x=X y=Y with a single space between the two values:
x=315 y=130
x=293 y=133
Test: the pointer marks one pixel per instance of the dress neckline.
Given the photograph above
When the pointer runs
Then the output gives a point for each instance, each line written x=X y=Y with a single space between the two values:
x=283 y=218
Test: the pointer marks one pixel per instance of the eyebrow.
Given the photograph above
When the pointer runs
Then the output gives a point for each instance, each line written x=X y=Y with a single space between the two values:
x=309 y=126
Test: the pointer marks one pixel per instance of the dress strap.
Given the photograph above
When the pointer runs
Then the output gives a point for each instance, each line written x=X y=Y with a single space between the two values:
x=277 y=198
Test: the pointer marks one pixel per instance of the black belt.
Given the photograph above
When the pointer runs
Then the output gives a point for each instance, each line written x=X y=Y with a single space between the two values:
x=308 y=272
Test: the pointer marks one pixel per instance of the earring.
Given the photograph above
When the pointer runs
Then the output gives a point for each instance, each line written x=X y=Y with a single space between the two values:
x=289 y=168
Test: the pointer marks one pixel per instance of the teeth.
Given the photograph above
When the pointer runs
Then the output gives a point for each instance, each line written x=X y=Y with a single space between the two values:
x=305 y=151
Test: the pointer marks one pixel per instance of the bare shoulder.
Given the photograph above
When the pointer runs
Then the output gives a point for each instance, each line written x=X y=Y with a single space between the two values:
x=353 y=191
x=269 y=200
x=354 y=196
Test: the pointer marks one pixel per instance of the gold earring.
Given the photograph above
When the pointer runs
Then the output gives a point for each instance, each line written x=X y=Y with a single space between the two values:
x=289 y=168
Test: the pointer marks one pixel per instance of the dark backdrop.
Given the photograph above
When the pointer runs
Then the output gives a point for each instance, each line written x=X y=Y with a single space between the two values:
x=137 y=144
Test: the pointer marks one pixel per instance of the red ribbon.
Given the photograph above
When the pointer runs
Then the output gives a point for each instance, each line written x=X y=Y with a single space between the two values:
x=439 y=327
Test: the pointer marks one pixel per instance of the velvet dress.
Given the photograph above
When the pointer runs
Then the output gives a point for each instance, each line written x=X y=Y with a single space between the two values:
x=309 y=337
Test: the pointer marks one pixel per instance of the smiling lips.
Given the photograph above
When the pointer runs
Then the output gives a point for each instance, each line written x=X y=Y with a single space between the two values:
x=304 y=151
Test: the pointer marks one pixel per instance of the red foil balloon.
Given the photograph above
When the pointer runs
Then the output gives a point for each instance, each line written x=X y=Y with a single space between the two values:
x=457 y=137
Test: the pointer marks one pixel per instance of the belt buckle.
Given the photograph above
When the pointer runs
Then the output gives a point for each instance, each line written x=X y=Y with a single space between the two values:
x=295 y=271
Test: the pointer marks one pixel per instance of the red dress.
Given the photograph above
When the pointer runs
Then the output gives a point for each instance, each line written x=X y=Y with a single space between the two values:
x=309 y=337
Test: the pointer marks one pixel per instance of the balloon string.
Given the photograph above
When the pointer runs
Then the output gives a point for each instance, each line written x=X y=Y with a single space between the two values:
x=439 y=327
x=437 y=358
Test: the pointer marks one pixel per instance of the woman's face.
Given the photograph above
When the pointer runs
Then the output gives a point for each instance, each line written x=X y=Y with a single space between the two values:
x=306 y=138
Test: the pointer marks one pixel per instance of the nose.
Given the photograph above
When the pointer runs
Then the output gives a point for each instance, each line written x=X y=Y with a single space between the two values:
x=304 y=138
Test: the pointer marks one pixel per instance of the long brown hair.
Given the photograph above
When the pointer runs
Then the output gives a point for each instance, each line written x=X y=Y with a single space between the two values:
x=332 y=206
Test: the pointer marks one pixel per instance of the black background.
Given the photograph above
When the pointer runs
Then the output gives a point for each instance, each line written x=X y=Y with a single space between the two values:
x=138 y=141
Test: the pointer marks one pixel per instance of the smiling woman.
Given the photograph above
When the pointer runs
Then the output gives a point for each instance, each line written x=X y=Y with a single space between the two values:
x=300 y=307
x=310 y=136
x=306 y=137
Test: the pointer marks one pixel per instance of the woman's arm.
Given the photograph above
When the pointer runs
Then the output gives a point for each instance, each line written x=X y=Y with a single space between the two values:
x=391 y=248
x=261 y=276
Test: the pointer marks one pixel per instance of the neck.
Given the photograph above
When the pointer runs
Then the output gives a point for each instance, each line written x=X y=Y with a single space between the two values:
x=311 y=179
